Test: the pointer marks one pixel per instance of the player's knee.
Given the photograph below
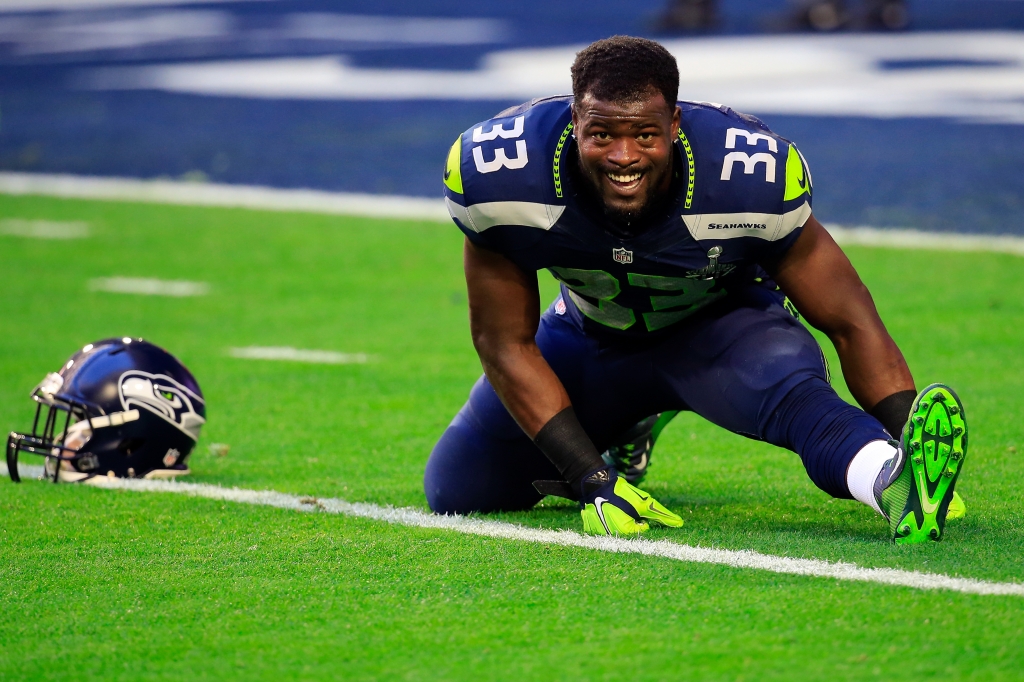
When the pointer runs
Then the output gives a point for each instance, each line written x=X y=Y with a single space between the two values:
x=470 y=470
x=444 y=479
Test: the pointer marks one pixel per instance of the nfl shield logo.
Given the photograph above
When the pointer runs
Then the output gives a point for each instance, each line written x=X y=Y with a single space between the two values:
x=171 y=458
x=622 y=256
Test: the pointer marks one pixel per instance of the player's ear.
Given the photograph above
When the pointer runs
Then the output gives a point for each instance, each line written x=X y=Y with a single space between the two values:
x=677 y=116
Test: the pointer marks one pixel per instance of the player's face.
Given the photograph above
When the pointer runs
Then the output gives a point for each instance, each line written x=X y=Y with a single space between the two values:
x=626 y=150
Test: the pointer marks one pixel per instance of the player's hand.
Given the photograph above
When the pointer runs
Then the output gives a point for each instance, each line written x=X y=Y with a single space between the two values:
x=611 y=506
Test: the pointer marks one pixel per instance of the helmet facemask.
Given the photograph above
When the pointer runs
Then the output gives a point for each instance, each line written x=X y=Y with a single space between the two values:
x=64 y=436
x=46 y=439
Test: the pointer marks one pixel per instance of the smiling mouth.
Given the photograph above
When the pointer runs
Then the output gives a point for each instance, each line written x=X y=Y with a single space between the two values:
x=624 y=180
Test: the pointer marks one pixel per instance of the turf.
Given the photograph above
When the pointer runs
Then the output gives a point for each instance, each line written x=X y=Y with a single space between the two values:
x=124 y=585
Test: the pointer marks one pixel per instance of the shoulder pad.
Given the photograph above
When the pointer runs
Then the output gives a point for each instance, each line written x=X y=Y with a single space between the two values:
x=749 y=181
x=505 y=171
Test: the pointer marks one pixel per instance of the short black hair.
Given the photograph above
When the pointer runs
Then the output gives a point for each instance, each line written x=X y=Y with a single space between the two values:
x=624 y=68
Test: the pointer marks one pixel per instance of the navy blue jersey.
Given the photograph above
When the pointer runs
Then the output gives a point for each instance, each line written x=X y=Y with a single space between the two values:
x=740 y=199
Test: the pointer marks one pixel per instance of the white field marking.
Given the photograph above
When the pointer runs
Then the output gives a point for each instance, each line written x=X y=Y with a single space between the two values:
x=148 y=287
x=402 y=30
x=508 y=531
x=11 y=6
x=403 y=207
x=58 y=34
x=235 y=196
x=43 y=229
x=322 y=357
x=916 y=239
x=27 y=471
x=974 y=75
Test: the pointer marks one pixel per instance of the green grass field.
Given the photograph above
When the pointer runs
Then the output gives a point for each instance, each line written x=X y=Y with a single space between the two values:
x=125 y=585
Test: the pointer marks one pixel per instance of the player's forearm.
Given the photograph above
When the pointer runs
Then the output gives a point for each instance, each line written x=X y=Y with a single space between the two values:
x=504 y=312
x=524 y=381
x=873 y=366
x=536 y=399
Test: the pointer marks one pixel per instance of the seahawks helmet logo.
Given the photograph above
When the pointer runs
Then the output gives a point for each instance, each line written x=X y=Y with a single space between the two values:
x=164 y=397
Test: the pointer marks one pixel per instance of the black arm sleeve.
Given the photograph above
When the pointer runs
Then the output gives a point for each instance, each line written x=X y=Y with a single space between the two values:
x=568 y=446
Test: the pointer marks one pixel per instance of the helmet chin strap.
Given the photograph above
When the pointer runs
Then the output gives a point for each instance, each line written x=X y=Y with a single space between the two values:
x=63 y=471
x=79 y=433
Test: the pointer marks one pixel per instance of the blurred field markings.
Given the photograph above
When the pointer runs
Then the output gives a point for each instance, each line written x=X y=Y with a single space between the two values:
x=741 y=559
x=236 y=196
x=410 y=208
x=287 y=353
x=11 y=6
x=970 y=75
x=54 y=34
x=43 y=229
x=148 y=287
x=916 y=239
x=393 y=30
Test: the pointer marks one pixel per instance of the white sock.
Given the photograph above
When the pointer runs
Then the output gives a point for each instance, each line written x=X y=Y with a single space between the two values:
x=864 y=470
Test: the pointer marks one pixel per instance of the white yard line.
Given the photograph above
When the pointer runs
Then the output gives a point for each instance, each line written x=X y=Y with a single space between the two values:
x=44 y=229
x=233 y=196
x=403 y=207
x=287 y=353
x=148 y=287
x=508 y=531
x=916 y=239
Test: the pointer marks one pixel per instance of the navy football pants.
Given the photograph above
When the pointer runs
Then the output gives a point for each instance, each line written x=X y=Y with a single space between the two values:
x=747 y=366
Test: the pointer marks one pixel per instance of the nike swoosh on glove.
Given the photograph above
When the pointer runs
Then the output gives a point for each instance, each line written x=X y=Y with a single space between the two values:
x=611 y=506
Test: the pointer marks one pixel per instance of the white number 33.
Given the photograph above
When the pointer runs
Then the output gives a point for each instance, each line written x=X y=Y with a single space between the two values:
x=501 y=160
x=749 y=161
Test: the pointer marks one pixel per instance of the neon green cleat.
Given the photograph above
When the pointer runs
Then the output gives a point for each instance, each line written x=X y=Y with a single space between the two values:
x=957 y=508
x=631 y=455
x=919 y=493
x=619 y=508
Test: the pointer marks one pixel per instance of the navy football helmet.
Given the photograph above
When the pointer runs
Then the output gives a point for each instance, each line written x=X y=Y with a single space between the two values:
x=119 y=407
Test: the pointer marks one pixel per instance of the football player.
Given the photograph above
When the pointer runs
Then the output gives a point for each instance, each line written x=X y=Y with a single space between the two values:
x=682 y=235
